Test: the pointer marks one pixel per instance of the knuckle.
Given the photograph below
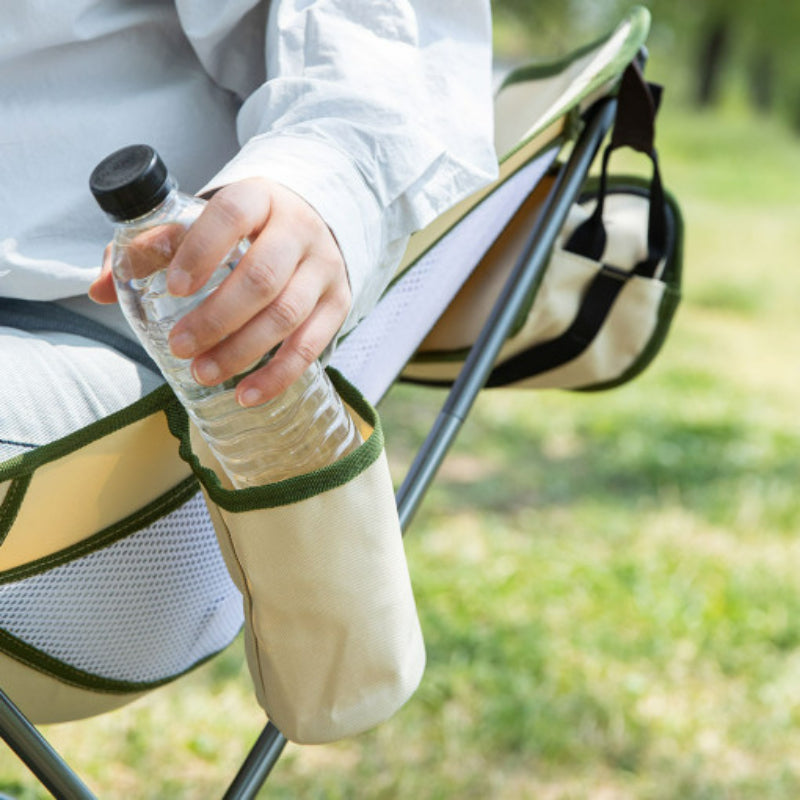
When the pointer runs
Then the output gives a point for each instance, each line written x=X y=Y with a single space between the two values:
x=340 y=296
x=280 y=379
x=286 y=313
x=281 y=248
x=338 y=301
x=211 y=328
x=329 y=262
x=260 y=279
x=306 y=352
x=229 y=211
x=233 y=359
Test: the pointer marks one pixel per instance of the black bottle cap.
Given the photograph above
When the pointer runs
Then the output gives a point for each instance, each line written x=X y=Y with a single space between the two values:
x=130 y=182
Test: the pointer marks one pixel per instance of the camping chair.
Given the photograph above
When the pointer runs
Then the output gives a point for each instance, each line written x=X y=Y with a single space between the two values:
x=542 y=112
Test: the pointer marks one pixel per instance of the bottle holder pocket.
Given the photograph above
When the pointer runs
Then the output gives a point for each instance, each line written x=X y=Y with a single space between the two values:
x=332 y=635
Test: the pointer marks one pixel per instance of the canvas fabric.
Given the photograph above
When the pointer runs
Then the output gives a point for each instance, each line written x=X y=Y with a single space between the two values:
x=632 y=333
x=332 y=635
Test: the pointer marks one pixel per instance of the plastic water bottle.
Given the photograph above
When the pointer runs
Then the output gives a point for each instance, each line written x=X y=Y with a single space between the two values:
x=304 y=428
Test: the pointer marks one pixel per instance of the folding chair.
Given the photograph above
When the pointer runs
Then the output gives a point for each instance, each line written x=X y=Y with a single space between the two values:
x=542 y=111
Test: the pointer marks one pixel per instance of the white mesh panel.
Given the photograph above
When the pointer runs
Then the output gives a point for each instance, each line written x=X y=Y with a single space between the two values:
x=145 y=608
x=374 y=354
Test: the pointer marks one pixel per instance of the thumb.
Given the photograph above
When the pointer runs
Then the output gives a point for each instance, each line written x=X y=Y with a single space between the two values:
x=103 y=289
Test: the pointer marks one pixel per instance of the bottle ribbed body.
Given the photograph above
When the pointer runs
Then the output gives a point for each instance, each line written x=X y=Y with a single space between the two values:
x=303 y=429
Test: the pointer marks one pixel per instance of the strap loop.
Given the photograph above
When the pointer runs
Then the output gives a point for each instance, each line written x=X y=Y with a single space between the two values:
x=637 y=105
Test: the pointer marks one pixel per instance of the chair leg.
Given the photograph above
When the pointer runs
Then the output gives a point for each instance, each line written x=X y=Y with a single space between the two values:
x=37 y=754
x=521 y=282
x=258 y=764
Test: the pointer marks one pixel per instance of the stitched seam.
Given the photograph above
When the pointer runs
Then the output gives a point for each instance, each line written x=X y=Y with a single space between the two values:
x=169 y=501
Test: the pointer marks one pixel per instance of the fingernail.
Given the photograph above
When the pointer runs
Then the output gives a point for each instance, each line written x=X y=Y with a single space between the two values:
x=250 y=397
x=206 y=371
x=183 y=344
x=179 y=282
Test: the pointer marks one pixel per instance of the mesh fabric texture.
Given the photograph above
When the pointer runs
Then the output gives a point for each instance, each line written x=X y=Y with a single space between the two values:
x=143 y=609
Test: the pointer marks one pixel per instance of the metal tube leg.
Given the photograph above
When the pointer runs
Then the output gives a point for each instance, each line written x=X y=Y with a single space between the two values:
x=258 y=764
x=522 y=281
x=37 y=754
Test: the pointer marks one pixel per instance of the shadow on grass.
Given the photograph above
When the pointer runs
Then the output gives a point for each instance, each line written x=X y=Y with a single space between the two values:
x=631 y=455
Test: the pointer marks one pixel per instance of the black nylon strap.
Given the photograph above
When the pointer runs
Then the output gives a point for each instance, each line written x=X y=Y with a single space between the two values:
x=637 y=106
x=595 y=307
x=634 y=126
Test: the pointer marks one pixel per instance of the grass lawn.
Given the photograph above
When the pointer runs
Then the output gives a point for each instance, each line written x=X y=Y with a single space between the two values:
x=607 y=582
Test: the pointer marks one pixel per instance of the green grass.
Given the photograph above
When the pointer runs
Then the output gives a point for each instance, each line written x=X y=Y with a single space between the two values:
x=607 y=582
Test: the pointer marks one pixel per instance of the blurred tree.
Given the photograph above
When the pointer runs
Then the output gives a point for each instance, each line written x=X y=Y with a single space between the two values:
x=712 y=50
x=718 y=39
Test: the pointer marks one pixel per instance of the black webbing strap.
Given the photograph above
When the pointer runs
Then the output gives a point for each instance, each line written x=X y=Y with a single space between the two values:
x=597 y=301
x=38 y=315
x=634 y=127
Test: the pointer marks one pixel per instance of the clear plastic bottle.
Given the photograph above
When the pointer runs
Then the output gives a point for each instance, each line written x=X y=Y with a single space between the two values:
x=304 y=428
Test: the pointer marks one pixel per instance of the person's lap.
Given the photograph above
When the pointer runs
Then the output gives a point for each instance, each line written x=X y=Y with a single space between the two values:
x=53 y=383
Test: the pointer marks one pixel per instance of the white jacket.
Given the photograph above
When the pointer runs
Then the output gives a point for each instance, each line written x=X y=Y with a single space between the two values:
x=377 y=112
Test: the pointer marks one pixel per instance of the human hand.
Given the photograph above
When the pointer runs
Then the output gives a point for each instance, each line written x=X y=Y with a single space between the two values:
x=291 y=286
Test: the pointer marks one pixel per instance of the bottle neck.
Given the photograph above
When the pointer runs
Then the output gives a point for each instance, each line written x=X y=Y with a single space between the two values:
x=155 y=212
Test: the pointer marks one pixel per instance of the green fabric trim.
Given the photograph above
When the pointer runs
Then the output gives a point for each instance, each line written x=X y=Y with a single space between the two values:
x=167 y=502
x=11 y=504
x=291 y=490
x=31 y=657
x=25 y=463
x=639 y=20
x=34 y=658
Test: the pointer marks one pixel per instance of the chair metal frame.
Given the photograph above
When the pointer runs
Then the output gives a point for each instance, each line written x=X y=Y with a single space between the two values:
x=34 y=750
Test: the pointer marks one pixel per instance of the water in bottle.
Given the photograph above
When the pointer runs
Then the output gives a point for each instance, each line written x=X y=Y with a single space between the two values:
x=304 y=428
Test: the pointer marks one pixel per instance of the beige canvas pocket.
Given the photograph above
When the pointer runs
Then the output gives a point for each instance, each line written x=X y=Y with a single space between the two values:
x=333 y=639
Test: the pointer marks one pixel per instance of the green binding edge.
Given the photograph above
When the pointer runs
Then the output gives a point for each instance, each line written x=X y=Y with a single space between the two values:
x=139 y=519
x=25 y=463
x=41 y=662
x=639 y=20
x=19 y=470
x=27 y=654
x=291 y=490
x=12 y=503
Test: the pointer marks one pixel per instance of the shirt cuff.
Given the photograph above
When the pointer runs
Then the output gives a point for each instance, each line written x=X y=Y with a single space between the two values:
x=330 y=182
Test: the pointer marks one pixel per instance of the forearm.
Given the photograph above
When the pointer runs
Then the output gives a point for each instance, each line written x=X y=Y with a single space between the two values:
x=378 y=114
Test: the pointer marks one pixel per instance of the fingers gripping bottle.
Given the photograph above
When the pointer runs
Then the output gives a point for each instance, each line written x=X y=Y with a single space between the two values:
x=304 y=428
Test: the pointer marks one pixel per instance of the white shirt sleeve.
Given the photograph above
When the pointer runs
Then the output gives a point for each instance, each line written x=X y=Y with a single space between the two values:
x=379 y=113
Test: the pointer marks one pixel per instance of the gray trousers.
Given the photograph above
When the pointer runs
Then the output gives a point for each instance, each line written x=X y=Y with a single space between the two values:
x=60 y=371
